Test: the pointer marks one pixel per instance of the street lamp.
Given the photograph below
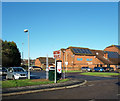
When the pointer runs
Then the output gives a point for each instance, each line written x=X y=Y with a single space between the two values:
x=26 y=30
x=22 y=54
x=64 y=62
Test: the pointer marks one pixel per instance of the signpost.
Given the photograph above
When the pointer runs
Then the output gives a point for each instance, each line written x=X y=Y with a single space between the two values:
x=56 y=54
x=59 y=69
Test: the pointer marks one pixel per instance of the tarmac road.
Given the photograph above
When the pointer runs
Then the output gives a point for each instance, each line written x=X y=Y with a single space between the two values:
x=88 y=78
x=104 y=88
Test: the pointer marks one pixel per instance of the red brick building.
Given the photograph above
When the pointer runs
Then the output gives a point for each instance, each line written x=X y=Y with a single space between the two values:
x=113 y=48
x=78 y=57
x=41 y=62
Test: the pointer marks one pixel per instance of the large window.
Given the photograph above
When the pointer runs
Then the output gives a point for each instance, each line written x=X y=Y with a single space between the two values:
x=88 y=59
x=79 y=59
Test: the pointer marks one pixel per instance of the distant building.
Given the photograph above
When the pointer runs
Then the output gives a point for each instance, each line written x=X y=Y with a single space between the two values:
x=78 y=57
x=25 y=62
x=41 y=62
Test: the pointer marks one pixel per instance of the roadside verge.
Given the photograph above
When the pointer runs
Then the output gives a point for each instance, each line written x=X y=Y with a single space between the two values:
x=39 y=88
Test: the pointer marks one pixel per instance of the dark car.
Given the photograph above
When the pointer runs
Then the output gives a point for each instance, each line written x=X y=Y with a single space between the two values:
x=86 y=69
x=3 y=71
x=111 y=69
x=108 y=69
x=98 y=69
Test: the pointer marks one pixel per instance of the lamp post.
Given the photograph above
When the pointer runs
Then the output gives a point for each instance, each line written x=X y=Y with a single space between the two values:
x=26 y=30
x=64 y=62
x=47 y=67
x=22 y=54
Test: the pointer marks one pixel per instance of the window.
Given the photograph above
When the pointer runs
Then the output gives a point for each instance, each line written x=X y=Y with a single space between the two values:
x=18 y=70
x=10 y=70
x=89 y=59
x=79 y=59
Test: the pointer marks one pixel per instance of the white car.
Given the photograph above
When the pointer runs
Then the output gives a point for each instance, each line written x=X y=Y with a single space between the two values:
x=16 y=73
x=50 y=68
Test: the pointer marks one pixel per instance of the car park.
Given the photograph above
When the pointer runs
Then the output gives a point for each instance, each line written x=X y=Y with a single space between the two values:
x=98 y=69
x=86 y=69
x=16 y=73
x=35 y=68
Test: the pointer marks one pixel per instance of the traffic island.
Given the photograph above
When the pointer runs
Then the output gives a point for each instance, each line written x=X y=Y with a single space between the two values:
x=71 y=83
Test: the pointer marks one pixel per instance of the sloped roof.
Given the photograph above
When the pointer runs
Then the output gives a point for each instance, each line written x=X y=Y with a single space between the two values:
x=113 y=57
x=43 y=60
x=117 y=46
x=62 y=49
x=112 y=54
x=100 y=55
x=80 y=51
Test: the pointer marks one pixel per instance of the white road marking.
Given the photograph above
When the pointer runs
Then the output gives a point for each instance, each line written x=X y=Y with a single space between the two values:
x=118 y=94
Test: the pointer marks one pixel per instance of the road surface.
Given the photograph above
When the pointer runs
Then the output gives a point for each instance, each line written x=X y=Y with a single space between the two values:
x=95 y=88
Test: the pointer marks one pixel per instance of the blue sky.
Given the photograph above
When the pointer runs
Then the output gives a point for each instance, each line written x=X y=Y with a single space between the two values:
x=56 y=25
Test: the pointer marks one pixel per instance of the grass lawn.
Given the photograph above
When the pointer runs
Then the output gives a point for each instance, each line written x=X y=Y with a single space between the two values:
x=27 y=82
x=102 y=74
x=72 y=71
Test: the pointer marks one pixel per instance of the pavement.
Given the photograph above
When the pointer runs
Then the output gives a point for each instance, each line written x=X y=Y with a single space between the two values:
x=47 y=87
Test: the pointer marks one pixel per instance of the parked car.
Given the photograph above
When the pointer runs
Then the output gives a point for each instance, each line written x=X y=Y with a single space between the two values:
x=86 y=69
x=108 y=69
x=3 y=71
x=51 y=68
x=16 y=73
x=118 y=69
x=35 y=68
x=98 y=69
x=112 y=69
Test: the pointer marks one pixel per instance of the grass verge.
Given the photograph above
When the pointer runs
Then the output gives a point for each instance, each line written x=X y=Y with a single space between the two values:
x=72 y=71
x=100 y=74
x=27 y=82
